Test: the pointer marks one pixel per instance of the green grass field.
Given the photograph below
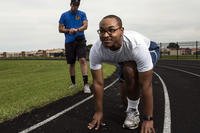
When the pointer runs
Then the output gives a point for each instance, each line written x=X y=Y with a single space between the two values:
x=29 y=84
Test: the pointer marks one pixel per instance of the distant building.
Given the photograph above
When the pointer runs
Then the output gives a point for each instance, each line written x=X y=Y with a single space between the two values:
x=194 y=51
x=180 y=51
x=1 y=55
x=40 y=53
x=165 y=51
x=55 y=52
x=28 y=53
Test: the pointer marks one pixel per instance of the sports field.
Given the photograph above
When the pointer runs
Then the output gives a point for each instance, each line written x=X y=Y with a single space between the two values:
x=28 y=84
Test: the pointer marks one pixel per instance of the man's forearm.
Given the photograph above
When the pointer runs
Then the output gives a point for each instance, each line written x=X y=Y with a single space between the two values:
x=145 y=79
x=82 y=28
x=98 y=94
x=148 y=101
x=63 y=30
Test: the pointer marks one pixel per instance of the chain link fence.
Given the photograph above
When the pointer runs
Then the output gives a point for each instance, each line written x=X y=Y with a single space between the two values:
x=172 y=50
x=180 y=50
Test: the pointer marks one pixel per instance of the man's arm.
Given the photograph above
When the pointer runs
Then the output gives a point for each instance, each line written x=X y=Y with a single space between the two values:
x=84 y=26
x=98 y=84
x=98 y=89
x=62 y=29
x=145 y=80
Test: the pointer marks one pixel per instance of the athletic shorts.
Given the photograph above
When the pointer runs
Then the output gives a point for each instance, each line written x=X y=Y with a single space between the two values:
x=75 y=50
x=154 y=50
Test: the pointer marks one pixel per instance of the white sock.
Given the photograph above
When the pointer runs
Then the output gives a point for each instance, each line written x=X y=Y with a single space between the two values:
x=133 y=104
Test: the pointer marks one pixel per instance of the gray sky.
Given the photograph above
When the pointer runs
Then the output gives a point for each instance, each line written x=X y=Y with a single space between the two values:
x=33 y=24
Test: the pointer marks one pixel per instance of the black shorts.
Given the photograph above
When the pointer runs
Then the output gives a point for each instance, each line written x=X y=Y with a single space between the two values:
x=75 y=50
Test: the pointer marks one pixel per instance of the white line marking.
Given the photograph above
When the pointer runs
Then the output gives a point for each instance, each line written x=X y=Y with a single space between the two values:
x=180 y=70
x=62 y=112
x=167 y=117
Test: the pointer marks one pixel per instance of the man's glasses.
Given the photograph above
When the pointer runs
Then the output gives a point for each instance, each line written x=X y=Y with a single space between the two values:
x=110 y=31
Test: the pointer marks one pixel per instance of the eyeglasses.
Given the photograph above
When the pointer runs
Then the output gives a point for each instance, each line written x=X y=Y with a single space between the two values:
x=110 y=31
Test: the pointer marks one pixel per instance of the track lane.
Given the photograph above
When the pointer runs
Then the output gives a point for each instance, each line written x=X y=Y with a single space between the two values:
x=184 y=93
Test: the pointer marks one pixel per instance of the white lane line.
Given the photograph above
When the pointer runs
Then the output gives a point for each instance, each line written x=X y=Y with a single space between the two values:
x=180 y=70
x=167 y=116
x=62 y=112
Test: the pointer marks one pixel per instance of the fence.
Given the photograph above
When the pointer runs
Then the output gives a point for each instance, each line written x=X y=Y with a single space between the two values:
x=180 y=50
x=172 y=50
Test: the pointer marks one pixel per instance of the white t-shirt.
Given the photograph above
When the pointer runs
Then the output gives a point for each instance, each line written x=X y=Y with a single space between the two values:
x=134 y=48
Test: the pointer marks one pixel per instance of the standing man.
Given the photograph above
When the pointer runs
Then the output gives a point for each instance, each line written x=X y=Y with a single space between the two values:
x=136 y=55
x=73 y=23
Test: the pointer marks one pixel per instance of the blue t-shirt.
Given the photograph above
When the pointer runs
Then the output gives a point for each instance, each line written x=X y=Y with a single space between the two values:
x=73 y=20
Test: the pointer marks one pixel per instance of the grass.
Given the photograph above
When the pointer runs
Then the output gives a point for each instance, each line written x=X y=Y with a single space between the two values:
x=29 y=84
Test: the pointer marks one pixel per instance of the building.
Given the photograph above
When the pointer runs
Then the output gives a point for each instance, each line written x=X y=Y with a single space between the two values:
x=40 y=53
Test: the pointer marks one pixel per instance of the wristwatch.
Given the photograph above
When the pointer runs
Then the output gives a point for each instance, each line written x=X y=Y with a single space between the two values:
x=147 y=118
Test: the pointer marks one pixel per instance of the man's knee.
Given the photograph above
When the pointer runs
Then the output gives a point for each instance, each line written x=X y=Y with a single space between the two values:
x=72 y=65
x=82 y=61
x=129 y=69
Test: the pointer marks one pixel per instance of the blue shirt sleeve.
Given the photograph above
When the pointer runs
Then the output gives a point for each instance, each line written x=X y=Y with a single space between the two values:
x=61 y=21
x=84 y=17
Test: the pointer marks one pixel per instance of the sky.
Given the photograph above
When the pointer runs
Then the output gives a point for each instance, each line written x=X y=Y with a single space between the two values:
x=27 y=25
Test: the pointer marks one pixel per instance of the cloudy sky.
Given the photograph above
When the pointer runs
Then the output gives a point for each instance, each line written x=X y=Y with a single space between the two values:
x=33 y=24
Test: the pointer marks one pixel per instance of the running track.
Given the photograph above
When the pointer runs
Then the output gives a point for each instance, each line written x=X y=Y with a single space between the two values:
x=176 y=106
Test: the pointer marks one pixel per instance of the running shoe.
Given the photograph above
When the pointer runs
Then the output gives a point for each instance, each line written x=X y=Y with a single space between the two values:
x=86 y=88
x=132 y=119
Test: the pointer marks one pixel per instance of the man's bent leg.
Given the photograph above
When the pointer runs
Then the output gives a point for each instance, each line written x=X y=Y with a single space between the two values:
x=130 y=75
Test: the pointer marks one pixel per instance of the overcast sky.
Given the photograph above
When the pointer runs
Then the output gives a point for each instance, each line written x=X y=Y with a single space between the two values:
x=33 y=24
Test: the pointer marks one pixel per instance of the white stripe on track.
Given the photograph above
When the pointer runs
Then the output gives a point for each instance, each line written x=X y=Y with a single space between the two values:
x=62 y=112
x=167 y=115
x=180 y=70
x=167 y=118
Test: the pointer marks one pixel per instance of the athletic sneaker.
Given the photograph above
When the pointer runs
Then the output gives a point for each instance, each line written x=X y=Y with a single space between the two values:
x=72 y=86
x=86 y=88
x=132 y=119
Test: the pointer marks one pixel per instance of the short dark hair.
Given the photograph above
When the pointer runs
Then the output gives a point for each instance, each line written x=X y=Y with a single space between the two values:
x=115 y=17
x=75 y=1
